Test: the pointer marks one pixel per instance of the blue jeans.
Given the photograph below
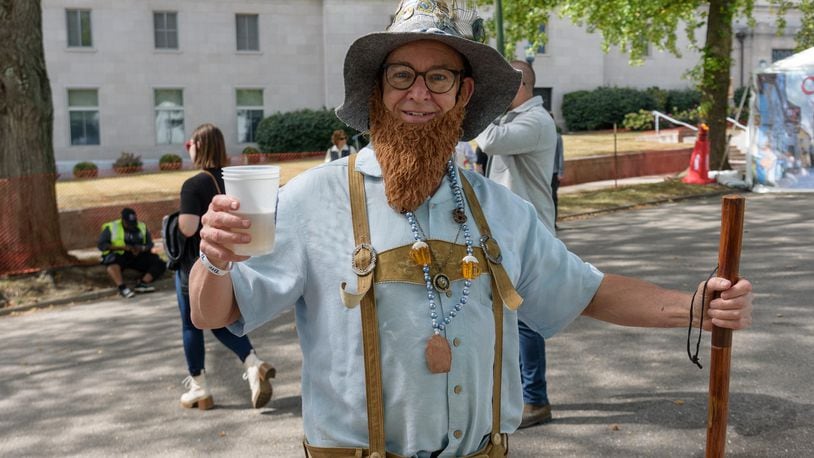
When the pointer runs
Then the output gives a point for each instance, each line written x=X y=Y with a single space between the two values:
x=194 y=339
x=532 y=365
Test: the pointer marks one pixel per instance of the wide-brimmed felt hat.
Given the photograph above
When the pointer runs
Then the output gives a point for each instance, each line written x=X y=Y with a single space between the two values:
x=454 y=23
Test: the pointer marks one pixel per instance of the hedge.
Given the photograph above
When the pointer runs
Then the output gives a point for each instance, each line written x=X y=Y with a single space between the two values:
x=301 y=130
x=604 y=106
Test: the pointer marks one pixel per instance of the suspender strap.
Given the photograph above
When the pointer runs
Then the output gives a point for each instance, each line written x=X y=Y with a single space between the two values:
x=497 y=368
x=364 y=262
x=492 y=251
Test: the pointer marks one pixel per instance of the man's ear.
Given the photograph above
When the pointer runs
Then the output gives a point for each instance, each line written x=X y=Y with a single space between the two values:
x=467 y=89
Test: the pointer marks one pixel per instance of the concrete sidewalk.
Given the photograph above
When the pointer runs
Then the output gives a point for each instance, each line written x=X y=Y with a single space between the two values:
x=103 y=378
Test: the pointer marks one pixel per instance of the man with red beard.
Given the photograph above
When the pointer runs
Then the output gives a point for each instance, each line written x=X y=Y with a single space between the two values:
x=407 y=274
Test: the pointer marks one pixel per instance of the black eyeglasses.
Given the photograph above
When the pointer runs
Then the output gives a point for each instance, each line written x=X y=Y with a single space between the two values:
x=437 y=80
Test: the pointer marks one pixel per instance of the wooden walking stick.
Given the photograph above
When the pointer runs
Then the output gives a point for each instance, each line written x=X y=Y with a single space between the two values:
x=729 y=252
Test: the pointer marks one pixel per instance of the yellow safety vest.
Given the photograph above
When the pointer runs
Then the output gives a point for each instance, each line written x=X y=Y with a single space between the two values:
x=116 y=229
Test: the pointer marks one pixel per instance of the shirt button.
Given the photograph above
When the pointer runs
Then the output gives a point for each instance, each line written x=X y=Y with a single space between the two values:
x=457 y=389
x=458 y=433
x=456 y=341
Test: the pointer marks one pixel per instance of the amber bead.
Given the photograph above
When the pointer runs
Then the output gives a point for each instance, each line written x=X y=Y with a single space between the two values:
x=420 y=253
x=470 y=267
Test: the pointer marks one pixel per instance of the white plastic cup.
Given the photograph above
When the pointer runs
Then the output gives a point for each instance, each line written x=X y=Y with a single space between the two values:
x=255 y=186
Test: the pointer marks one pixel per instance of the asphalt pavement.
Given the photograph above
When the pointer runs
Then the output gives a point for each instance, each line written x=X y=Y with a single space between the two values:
x=103 y=378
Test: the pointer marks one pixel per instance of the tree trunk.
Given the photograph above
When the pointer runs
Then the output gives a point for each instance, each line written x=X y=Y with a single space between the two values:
x=29 y=227
x=716 y=79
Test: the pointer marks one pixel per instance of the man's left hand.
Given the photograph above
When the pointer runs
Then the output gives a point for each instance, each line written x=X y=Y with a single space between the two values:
x=733 y=309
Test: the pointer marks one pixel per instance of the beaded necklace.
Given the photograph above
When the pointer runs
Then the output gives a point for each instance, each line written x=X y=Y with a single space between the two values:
x=438 y=352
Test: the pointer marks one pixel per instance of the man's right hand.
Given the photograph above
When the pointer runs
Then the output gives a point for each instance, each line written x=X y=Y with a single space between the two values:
x=217 y=233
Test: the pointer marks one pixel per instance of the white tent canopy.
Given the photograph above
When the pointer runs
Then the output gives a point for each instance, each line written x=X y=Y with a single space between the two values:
x=781 y=125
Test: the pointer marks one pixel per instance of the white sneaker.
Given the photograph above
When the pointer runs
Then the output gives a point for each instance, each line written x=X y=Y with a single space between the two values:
x=198 y=394
x=258 y=374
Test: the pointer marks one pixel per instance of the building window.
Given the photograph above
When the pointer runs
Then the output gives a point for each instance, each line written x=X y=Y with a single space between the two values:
x=247 y=32
x=249 y=114
x=541 y=48
x=780 y=54
x=545 y=93
x=165 y=24
x=169 y=116
x=83 y=113
x=79 y=35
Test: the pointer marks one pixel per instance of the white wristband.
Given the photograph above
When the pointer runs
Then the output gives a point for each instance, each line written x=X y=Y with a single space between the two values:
x=215 y=269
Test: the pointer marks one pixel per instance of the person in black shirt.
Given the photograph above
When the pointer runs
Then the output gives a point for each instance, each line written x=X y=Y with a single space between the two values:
x=207 y=150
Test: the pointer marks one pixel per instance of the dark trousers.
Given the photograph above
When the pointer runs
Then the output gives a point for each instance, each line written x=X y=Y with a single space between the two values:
x=532 y=366
x=194 y=338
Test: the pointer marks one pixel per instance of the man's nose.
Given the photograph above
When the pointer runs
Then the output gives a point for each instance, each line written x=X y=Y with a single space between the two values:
x=419 y=90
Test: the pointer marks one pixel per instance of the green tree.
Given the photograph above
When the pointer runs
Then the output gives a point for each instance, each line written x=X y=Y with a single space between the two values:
x=29 y=226
x=633 y=25
x=805 y=36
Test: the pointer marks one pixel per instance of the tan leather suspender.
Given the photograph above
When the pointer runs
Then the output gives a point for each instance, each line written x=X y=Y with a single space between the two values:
x=364 y=262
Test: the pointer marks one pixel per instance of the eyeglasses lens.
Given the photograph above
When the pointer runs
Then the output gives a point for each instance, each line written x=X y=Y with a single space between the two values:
x=438 y=80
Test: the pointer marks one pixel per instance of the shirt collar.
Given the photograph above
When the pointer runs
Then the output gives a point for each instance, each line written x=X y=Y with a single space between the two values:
x=529 y=104
x=366 y=162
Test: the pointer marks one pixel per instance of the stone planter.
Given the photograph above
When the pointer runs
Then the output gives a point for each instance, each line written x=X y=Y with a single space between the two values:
x=254 y=158
x=170 y=165
x=127 y=169
x=86 y=173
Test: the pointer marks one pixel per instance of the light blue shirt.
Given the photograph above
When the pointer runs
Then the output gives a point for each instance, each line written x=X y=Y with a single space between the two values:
x=312 y=257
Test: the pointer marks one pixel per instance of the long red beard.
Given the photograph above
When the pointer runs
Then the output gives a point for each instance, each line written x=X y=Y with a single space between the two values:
x=413 y=157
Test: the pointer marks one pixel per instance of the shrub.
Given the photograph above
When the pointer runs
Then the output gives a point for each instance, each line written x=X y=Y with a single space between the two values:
x=642 y=120
x=127 y=163
x=744 y=118
x=85 y=169
x=170 y=161
x=602 y=107
x=682 y=100
x=660 y=97
x=302 y=130
x=170 y=158
x=690 y=116
x=250 y=150
x=128 y=160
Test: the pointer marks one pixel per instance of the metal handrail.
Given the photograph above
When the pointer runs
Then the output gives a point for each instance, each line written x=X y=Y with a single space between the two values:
x=736 y=123
x=658 y=114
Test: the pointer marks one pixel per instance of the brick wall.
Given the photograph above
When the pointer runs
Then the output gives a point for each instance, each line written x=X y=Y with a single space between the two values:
x=599 y=168
x=80 y=228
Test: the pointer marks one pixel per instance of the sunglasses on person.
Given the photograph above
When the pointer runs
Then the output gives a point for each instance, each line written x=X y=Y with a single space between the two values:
x=437 y=80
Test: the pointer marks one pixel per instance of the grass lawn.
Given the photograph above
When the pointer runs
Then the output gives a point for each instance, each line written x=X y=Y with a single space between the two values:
x=601 y=142
x=147 y=187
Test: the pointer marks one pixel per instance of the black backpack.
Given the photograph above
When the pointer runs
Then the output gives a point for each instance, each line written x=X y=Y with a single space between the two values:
x=174 y=240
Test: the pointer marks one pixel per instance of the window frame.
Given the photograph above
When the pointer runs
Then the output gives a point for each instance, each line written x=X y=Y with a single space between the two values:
x=157 y=110
x=248 y=48
x=785 y=52
x=78 y=23
x=165 y=31
x=85 y=110
x=248 y=108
